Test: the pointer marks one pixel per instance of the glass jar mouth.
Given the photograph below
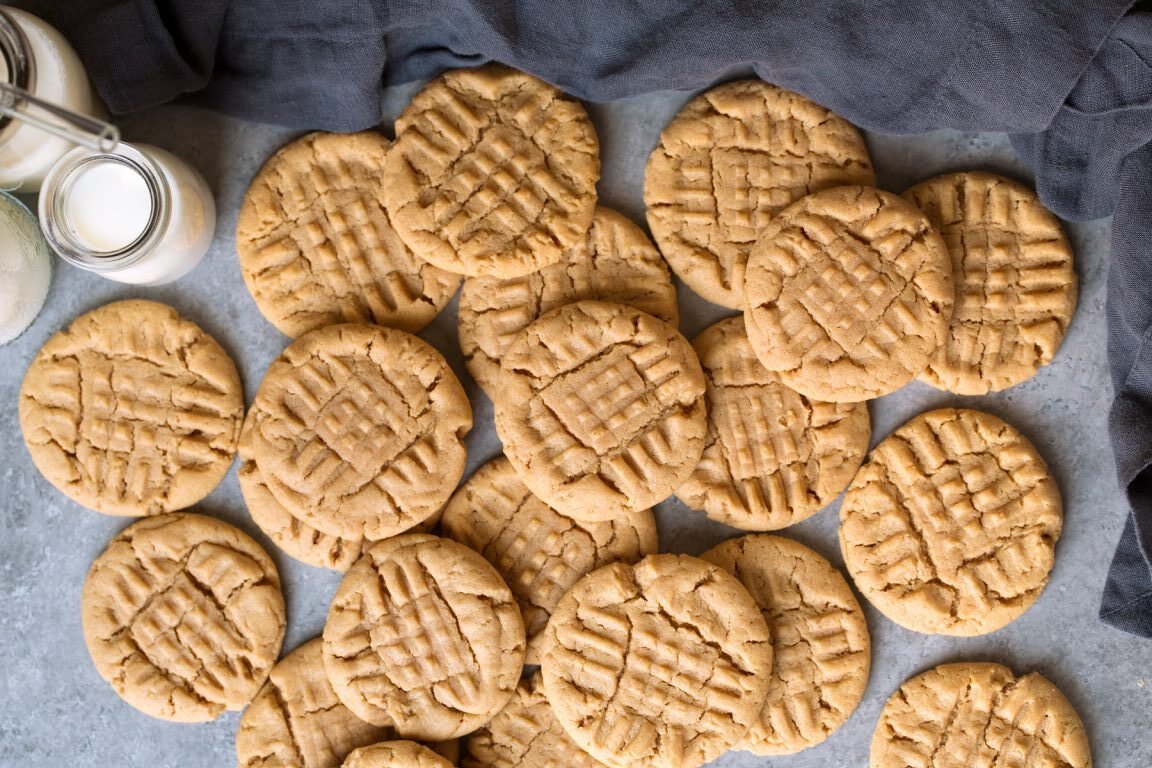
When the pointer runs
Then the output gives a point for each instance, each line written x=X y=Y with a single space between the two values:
x=55 y=219
x=17 y=56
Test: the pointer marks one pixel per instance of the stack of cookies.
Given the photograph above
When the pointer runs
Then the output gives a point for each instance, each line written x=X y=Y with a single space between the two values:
x=353 y=450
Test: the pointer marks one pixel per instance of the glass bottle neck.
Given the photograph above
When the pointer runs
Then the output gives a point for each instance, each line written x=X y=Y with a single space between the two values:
x=105 y=211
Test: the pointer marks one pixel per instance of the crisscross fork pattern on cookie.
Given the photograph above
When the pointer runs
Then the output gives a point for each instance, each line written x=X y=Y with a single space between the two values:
x=752 y=448
x=847 y=296
x=603 y=403
x=185 y=634
x=816 y=670
x=496 y=185
x=419 y=642
x=360 y=425
x=341 y=237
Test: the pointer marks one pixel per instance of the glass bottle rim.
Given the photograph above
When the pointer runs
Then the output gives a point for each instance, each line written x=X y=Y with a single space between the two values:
x=54 y=195
x=17 y=55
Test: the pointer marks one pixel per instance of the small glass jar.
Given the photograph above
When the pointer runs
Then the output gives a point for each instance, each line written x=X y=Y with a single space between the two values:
x=25 y=268
x=37 y=58
x=136 y=215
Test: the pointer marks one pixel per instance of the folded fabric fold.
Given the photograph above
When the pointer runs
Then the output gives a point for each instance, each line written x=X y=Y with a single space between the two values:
x=995 y=65
x=141 y=53
x=1071 y=80
x=1127 y=602
x=1095 y=159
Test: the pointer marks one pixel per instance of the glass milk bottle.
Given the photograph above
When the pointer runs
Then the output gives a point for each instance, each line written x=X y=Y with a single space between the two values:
x=137 y=214
x=37 y=58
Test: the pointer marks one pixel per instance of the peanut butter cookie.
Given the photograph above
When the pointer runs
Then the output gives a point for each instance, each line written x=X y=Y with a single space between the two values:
x=1015 y=283
x=820 y=642
x=733 y=158
x=772 y=456
x=951 y=526
x=395 y=754
x=493 y=173
x=297 y=720
x=615 y=261
x=132 y=410
x=183 y=615
x=601 y=409
x=539 y=552
x=663 y=664
x=358 y=431
x=977 y=714
x=316 y=247
x=849 y=294
x=526 y=735
x=423 y=636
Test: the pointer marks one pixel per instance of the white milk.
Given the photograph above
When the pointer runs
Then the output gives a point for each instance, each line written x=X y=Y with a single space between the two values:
x=109 y=206
x=25 y=268
x=26 y=152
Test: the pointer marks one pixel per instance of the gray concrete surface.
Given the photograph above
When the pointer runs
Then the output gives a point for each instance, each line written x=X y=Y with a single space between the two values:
x=56 y=711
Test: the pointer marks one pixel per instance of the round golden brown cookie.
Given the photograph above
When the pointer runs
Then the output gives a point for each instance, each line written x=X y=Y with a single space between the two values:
x=772 y=456
x=951 y=525
x=395 y=754
x=960 y=715
x=296 y=719
x=732 y=159
x=664 y=664
x=183 y=615
x=525 y=735
x=849 y=294
x=358 y=431
x=1015 y=283
x=539 y=552
x=316 y=247
x=132 y=410
x=601 y=409
x=493 y=173
x=820 y=642
x=614 y=262
x=423 y=636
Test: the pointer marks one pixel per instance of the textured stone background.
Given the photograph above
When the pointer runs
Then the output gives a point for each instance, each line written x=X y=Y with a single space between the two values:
x=55 y=710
